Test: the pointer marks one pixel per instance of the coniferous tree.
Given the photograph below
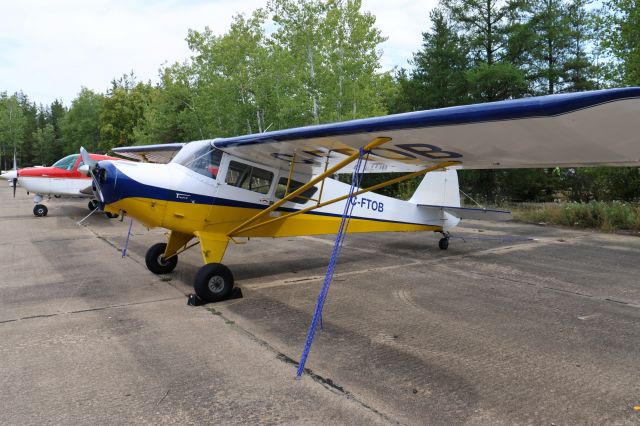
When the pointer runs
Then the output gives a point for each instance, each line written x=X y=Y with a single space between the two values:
x=439 y=78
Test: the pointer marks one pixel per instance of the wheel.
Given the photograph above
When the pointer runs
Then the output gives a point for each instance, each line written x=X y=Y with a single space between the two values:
x=111 y=215
x=213 y=282
x=93 y=204
x=443 y=243
x=155 y=259
x=40 y=210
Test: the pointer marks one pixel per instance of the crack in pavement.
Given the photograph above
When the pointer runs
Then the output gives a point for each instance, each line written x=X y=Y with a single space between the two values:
x=324 y=381
x=98 y=308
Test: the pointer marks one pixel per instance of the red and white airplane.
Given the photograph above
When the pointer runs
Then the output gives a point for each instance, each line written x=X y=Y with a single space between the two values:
x=62 y=179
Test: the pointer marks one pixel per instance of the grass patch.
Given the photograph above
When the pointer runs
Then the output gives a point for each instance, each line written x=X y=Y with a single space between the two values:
x=605 y=216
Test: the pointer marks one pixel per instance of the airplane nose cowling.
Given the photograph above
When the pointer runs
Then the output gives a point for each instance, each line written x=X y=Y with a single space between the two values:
x=101 y=184
x=10 y=175
x=111 y=184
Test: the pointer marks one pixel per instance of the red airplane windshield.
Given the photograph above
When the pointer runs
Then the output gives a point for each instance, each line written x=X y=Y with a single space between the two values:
x=67 y=162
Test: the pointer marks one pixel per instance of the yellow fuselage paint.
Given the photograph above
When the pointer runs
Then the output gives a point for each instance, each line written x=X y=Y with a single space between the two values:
x=190 y=217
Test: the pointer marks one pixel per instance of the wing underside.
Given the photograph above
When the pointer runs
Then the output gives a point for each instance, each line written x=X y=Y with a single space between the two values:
x=160 y=153
x=569 y=130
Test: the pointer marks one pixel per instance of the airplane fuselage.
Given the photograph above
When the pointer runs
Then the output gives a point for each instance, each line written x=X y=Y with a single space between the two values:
x=54 y=181
x=179 y=199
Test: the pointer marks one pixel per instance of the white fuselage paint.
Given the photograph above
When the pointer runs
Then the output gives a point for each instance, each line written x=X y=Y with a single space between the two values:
x=175 y=177
x=47 y=186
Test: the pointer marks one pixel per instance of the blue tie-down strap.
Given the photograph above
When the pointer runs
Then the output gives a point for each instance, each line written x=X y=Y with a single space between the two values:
x=335 y=253
x=126 y=242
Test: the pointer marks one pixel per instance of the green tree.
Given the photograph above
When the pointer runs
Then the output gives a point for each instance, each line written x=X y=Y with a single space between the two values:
x=122 y=111
x=45 y=138
x=12 y=126
x=298 y=33
x=350 y=59
x=620 y=39
x=579 y=68
x=549 y=51
x=488 y=27
x=438 y=78
x=81 y=124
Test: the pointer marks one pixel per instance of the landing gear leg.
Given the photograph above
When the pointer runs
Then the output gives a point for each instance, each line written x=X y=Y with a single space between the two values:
x=162 y=258
x=156 y=261
x=444 y=241
x=214 y=281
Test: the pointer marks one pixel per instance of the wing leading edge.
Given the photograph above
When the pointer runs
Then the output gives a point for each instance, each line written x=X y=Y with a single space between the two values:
x=568 y=130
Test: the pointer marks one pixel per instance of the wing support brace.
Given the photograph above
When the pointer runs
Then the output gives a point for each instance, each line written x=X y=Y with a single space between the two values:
x=443 y=165
x=328 y=172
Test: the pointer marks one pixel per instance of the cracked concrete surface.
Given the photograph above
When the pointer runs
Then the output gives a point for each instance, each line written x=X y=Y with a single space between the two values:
x=514 y=324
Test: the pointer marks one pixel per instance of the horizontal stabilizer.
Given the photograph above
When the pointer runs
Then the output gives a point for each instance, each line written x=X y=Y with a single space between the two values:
x=473 y=213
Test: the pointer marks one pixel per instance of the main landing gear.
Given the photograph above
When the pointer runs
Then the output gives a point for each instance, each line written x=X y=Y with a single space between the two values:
x=40 y=210
x=213 y=282
x=444 y=241
x=156 y=262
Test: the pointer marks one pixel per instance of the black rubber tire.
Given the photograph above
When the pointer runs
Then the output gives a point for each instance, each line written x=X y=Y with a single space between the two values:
x=443 y=243
x=111 y=215
x=213 y=282
x=156 y=263
x=40 y=210
x=93 y=204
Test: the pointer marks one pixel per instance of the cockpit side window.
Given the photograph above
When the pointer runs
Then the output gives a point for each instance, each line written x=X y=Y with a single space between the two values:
x=293 y=185
x=249 y=177
x=67 y=162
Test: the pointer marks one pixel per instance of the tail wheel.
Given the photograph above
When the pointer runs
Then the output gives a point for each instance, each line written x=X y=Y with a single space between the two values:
x=111 y=215
x=156 y=262
x=40 y=210
x=213 y=282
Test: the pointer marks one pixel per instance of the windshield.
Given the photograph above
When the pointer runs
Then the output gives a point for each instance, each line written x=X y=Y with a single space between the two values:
x=200 y=157
x=67 y=162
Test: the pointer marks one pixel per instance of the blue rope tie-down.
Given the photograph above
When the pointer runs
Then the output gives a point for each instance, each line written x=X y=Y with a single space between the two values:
x=126 y=242
x=337 y=247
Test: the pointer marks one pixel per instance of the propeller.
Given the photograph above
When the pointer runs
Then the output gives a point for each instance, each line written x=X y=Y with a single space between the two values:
x=86 y=159
x=15 y=179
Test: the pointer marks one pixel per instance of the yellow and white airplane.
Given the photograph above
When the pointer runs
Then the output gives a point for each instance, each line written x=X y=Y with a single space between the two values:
x=277 y=184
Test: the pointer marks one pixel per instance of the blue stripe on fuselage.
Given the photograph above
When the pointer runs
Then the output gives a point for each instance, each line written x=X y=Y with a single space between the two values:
x=118 y=186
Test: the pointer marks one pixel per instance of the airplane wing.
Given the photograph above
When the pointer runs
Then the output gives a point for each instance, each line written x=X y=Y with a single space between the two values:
x=160 y=153
x=565 y=130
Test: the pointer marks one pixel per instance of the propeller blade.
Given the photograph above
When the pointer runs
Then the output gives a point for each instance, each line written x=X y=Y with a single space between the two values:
x=15 y=182
x=86 y=158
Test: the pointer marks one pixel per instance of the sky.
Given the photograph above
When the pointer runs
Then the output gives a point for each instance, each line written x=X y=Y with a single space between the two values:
x=50 y=49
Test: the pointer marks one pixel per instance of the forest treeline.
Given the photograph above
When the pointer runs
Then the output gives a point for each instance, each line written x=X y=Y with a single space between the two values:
x=300 y=62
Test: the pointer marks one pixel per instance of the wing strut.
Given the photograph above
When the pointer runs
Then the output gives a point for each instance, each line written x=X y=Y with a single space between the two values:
x=356 y=193
x=372 y=145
